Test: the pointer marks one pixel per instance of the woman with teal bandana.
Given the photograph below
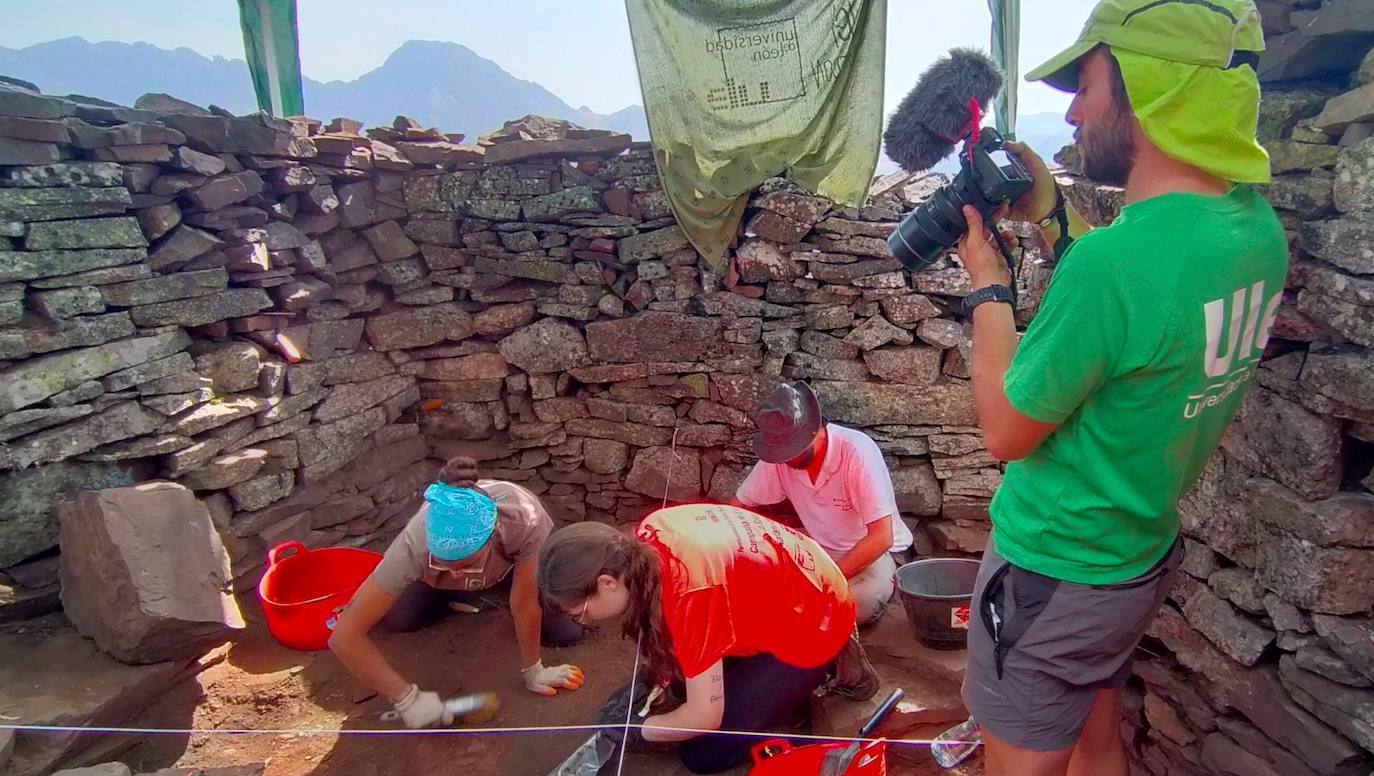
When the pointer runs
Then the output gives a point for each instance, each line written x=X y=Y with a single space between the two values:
x=469 y=535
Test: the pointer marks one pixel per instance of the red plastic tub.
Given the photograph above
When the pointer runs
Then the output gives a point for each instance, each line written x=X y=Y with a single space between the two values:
x=776 y=757
x=303 y=590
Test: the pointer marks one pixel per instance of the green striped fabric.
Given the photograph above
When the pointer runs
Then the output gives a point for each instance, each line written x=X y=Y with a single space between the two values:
x=270 y=45
x=1006 y=46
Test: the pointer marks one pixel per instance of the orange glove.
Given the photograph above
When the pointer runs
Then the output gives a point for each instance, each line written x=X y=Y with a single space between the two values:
x=548 y=681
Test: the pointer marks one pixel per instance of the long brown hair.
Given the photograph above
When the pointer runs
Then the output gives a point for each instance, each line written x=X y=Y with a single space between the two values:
x=574 y=557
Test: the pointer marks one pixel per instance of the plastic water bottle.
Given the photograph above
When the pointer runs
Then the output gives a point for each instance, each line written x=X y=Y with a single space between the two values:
x=955 y=745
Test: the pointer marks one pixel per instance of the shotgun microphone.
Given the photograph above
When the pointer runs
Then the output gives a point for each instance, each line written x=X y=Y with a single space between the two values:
x=935 y=116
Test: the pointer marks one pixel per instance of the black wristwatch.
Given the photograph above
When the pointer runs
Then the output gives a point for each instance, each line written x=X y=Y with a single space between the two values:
x=993 y=293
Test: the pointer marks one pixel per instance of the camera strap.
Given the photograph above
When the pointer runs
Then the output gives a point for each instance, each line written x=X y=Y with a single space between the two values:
x=1060 y=214
x=1011 y=262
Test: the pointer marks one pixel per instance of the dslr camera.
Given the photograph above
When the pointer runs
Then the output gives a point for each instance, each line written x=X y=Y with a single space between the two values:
x=988 y=176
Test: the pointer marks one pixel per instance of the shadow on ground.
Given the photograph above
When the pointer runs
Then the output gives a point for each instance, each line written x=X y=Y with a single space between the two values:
x=263 y=686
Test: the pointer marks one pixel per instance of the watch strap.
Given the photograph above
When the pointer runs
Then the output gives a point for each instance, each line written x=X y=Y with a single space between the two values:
x=1058 y=215
x=1056 y=211
x=992 y=293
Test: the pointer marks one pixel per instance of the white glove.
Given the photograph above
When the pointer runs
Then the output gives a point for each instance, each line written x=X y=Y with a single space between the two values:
x=422 y=709
x=548 y=681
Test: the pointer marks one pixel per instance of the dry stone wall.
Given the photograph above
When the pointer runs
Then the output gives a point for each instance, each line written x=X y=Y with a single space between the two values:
x=1261 y=662
x=299 y=321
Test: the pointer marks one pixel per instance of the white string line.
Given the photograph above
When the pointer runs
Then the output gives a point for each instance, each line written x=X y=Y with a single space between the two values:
x=558 y=729
x=630 y=706
x=639 y=640
x=672 y=458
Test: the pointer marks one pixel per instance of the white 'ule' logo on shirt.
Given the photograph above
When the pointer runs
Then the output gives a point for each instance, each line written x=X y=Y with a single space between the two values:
x=1245 y=320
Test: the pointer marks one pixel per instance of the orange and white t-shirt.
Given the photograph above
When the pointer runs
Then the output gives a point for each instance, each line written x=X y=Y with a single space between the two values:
x=737 y=584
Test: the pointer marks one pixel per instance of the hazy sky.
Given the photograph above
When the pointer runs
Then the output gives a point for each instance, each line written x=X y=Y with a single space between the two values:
x=578 y=49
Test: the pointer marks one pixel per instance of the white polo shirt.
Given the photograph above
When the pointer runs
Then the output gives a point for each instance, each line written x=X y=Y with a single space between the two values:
x=852 y=490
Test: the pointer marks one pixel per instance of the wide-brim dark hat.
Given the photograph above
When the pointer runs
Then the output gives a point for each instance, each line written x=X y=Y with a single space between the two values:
x=787 y=420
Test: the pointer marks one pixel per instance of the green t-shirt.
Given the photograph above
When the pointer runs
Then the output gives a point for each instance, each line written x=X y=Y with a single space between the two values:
x=1145 y=343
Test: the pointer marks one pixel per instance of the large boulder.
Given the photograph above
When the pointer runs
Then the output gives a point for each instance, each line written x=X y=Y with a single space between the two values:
x=605 y=456
x=1352 y=638
x=911 y=365
x=144 y=574
x=1243 y=640
x=1346 y=242
x=648 y=245
x=760 y=260
x=119 y=422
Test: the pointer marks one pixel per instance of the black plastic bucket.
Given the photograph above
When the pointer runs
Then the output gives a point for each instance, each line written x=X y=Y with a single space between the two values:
x=936 y=593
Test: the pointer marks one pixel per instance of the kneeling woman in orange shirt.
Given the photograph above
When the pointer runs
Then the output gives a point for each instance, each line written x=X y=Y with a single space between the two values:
x=750 y=614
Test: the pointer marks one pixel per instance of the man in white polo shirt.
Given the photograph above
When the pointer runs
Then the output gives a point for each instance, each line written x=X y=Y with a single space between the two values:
x=837 y=482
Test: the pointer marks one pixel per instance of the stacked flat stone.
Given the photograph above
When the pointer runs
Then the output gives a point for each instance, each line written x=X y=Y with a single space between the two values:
x=299 y=320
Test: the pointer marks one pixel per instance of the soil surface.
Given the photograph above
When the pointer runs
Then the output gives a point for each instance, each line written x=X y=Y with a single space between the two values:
x=264 y=686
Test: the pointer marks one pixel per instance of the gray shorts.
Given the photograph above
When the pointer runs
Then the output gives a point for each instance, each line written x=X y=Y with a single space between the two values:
x=1039 y=649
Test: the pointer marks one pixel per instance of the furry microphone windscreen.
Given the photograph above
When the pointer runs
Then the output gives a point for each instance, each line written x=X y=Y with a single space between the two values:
x=928 y=122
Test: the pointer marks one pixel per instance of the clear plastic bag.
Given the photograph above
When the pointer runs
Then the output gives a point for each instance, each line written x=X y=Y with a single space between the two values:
x=588 y=758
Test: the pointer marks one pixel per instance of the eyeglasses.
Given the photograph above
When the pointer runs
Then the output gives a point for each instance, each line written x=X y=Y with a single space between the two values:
x=464 y=569
x=581 y=616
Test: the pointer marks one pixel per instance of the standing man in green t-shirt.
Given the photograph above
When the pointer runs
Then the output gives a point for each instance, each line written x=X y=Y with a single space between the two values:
x=1145 y=343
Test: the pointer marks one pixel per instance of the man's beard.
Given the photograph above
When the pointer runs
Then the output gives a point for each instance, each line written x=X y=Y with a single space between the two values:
x=1108 y=153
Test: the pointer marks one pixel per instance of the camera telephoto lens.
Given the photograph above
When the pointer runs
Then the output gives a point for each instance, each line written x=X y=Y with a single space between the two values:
x=934 y=227
x=988 y=175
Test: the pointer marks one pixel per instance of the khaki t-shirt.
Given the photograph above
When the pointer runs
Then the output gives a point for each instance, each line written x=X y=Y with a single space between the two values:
x=522 y=525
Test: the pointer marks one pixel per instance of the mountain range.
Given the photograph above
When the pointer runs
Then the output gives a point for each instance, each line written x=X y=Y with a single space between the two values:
x=439 y=84
x=443 y=85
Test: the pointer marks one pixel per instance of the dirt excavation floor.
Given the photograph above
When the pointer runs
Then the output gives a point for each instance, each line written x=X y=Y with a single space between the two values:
x=262 y=685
